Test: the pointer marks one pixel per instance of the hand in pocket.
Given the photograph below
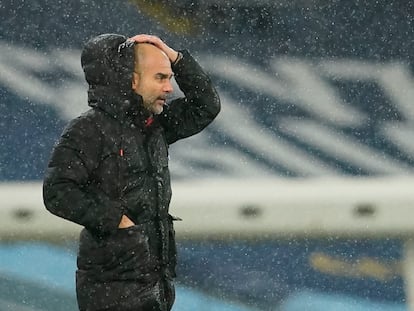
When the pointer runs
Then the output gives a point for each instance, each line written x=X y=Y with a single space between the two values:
x=125 y=222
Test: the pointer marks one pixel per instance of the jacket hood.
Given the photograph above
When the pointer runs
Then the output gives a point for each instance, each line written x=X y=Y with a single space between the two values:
x=107 y=60
x=108 y=63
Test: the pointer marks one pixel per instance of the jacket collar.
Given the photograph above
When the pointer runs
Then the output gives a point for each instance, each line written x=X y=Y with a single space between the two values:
x=124 y=107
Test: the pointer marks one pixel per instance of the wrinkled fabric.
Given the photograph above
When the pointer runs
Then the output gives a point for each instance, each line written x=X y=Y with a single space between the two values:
x=110 y=162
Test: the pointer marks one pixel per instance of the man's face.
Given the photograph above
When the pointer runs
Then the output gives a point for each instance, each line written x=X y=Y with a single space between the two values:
x=152 y=78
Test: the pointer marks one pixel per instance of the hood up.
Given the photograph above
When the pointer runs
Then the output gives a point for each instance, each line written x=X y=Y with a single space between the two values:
x=108 y=63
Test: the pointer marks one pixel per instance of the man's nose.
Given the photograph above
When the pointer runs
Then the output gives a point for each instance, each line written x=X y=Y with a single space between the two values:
x=168 y=88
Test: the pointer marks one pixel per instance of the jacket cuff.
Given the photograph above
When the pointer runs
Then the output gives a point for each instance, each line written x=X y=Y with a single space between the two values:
x=182 y=55
x=179 y=57
x=109 y=222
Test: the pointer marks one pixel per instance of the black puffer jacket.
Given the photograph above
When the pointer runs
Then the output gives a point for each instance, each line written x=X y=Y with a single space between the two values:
x=109 y=162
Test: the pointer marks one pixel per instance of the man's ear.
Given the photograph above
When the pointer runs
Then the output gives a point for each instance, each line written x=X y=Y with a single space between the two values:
x=134 y=81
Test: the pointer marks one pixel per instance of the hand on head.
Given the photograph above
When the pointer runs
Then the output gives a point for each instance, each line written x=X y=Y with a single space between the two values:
x=144 y=38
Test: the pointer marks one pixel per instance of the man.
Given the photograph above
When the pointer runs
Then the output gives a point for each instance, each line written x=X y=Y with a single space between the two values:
x=109 y=171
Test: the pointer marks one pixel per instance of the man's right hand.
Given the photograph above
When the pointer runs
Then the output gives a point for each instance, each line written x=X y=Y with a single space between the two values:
x=144 y=38
x=125 y=222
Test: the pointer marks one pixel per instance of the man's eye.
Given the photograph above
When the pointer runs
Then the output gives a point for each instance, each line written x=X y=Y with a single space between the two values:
x=163 y=77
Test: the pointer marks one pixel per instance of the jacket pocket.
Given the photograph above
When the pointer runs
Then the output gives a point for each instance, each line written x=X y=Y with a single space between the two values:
x=120 y=256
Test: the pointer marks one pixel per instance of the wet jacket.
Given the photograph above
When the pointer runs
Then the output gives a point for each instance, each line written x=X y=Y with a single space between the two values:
x=113 y=160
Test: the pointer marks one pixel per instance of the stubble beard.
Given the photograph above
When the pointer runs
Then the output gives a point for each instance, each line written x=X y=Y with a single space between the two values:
x=154 y=107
